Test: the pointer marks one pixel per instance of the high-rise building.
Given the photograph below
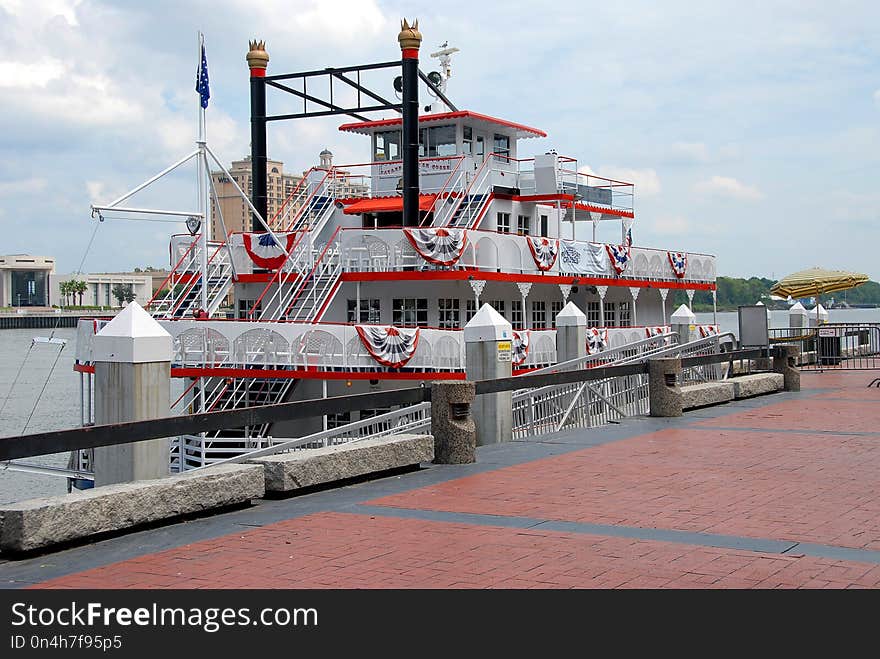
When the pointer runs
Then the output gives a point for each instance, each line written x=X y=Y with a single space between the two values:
x=236 y=214
x=279 y=186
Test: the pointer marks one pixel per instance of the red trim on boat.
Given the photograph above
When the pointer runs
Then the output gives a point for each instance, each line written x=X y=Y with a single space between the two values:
x=457 y=275
x=360 y=126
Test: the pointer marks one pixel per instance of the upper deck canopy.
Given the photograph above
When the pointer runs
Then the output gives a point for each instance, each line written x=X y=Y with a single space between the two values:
x=369 y=127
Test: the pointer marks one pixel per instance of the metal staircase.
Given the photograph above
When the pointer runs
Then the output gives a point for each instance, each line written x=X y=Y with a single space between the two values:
x=309 y=300
x=225 y=394
x=466 y=212
x=184 y=292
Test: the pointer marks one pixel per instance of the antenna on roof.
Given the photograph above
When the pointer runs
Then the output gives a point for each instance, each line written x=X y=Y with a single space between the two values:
x=440 y=78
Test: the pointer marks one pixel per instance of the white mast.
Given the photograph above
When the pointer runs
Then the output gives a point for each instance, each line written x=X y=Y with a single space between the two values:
x=444 y=55
x=203 y=174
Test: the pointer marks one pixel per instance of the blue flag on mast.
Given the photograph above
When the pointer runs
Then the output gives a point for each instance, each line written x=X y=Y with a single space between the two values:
x=202 y=80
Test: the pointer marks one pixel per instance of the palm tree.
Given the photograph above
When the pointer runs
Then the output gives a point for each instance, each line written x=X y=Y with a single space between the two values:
x=65 y=289
x=79 y=287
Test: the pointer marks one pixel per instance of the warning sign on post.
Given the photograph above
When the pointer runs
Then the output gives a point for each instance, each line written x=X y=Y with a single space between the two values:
x=827 y=331
x=504 y=351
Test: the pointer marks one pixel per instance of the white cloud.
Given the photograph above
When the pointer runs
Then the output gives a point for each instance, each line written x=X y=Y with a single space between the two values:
x=646 y=180
x=671 y=224
x=40 y=12
x=726 y=186
x=22 y=187
x=30 y=74
x=692 y=151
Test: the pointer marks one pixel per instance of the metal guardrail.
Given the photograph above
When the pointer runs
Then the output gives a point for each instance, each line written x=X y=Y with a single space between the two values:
x=136 y=431
x=834 y=346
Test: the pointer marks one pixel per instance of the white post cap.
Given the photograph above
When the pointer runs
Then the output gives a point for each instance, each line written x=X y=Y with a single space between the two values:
x=571 y=316
x=132 y=337
x=487 y=325
x=823 y=313
x=797 y=309
x=682 y=316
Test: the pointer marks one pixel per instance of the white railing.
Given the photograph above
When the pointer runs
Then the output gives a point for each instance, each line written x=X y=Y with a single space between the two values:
x=588 y=404
x=405 y=420
x=327 y=346
x=490 y=251
x=184 y=283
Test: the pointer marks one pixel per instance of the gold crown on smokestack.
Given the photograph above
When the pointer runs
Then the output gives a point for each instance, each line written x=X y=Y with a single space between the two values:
x=257 y=57
x=409 y=36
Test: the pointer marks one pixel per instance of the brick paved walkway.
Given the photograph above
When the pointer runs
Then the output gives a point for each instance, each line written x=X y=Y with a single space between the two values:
x=782 y=491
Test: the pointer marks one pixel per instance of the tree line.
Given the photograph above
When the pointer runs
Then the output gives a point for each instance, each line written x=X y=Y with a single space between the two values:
x=733 y=292
x=73 y=288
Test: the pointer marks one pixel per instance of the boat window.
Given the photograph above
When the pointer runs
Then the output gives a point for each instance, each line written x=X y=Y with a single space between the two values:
x=388 y=145
x=623 y=316
x=409 y=312
x=502 y=147
x=555 y=310
x=610 y=309
x=539 y=314
x=441 y=141
x=467 y=140
x=593 y=317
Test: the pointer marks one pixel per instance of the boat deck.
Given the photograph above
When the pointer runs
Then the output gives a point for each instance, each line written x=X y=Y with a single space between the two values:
x=775 y=492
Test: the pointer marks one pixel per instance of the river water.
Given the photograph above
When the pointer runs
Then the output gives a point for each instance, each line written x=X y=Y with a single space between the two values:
x=58 y=407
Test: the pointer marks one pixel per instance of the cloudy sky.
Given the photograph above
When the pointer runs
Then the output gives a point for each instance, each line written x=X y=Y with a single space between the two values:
x=751 y=129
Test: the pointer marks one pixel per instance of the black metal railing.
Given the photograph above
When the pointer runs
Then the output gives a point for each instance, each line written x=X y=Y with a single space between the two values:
x=113 y=434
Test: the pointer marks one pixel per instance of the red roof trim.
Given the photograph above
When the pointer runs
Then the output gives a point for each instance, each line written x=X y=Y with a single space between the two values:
x=380 y=204
x=360 y=126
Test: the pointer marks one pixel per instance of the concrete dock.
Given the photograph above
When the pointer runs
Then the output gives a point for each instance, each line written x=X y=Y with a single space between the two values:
x=779 y=491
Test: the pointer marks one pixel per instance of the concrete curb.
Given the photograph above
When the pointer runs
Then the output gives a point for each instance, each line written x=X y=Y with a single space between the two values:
x=38 y=523
x=289 y=472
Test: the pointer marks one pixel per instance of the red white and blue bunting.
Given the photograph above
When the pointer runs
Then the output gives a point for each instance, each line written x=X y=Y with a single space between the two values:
x=438 y=246
x=544 y=251
x=520 y=346
x=679 y=263
x=708 y=330
x=654 y=331
x=390 y=346
x=620 y=256
x=597 y=340
x=265 y=252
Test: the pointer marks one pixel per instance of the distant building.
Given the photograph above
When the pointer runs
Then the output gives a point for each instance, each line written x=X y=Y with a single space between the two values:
x=279 y=186
x=236 y=214
x=99 y=288
x=25 y=280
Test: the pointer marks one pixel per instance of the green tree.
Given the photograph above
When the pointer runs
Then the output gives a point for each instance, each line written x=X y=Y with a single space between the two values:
x=123 y=292
x=78 y=287
x=65 y=290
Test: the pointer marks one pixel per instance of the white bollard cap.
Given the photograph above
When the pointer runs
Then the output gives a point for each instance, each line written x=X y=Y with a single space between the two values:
x=682 y=316
x=797 y=309
x=571 y=316
x=823 y=313
x=487 y=325
x=132 y=337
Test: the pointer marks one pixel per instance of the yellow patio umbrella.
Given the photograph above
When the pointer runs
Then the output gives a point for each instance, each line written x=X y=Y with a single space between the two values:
x=816 y=282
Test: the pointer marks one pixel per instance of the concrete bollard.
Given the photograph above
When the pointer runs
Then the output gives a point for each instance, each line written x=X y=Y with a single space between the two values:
x=488 y=341
x=664 y=386
x=683 y=322
x=785 y=362
x=132 y=356
x=452 y=424
x=571 y=333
